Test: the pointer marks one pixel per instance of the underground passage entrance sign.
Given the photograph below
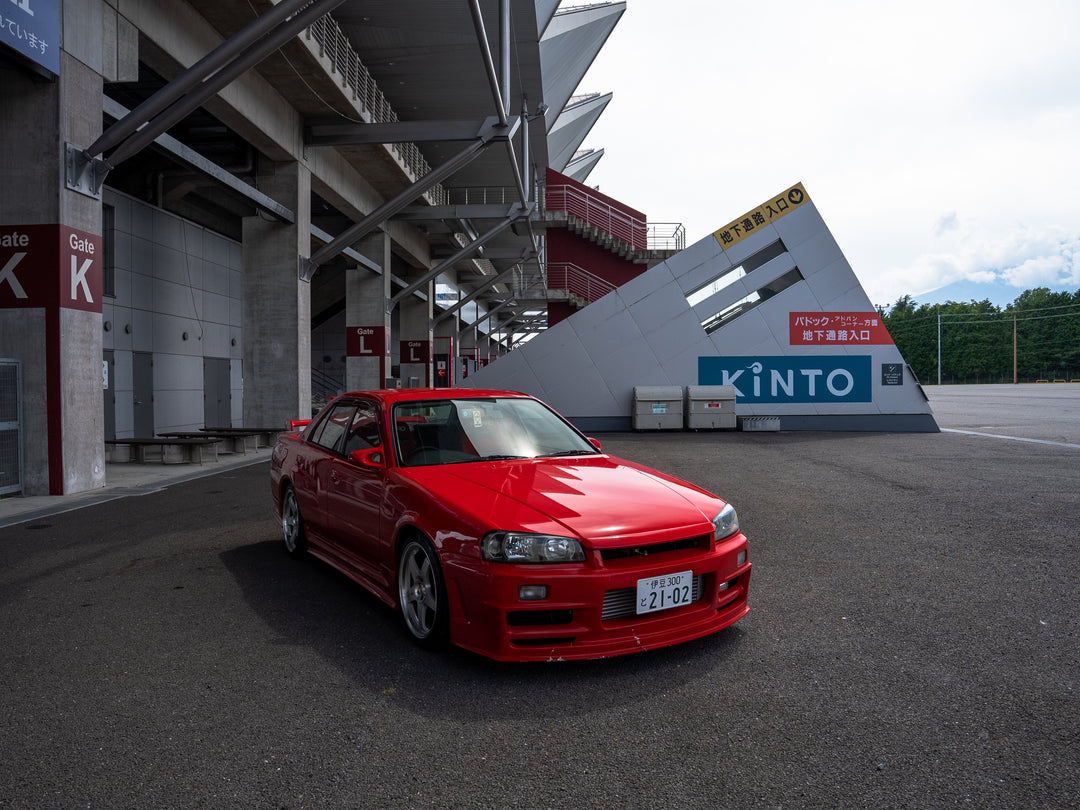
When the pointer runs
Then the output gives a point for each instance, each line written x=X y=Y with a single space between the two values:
x=777 y=379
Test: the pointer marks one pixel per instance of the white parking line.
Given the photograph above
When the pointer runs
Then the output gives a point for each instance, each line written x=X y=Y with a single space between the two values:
x=1013 y=438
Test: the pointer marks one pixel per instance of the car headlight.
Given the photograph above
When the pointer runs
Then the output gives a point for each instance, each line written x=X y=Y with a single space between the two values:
x=725 y=523
x=519 y=547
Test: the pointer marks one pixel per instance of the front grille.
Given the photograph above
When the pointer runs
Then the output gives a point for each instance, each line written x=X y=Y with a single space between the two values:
x=610 y=554
x=622 y=602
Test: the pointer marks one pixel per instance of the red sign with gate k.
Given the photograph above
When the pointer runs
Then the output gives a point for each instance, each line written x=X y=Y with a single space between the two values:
x=45 y=266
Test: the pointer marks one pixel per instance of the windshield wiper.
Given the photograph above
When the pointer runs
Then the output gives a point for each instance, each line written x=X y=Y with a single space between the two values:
x=497 y=457
x=571 y=453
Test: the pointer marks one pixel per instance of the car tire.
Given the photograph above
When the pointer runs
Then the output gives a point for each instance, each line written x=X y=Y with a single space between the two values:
x=422 y=593
x=292 y=524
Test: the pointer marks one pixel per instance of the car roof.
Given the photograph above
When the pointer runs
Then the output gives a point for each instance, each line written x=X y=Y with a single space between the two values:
x=391 y=395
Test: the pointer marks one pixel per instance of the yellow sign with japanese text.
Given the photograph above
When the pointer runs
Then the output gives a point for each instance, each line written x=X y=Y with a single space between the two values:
x=765 y=214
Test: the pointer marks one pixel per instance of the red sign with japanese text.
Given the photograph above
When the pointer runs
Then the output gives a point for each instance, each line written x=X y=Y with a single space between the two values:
x=838 y=329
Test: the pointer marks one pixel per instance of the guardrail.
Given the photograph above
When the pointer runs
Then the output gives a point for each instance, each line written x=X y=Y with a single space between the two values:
x=667 y=236
x=579 y=282
x=599 y=213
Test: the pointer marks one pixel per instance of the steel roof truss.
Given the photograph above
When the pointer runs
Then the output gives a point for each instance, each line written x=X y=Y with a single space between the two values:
x=491 y=281
x=235 y=56
x=344 y=133
x=513 y=215
x=492 y=131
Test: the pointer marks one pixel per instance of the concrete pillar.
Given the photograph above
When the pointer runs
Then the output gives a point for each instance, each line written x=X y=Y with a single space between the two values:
x=467 y=350
x=277 y=304
x=416 y=339
x=483 y=348
x=50 y=273
x=367 y=340
x=444 y=369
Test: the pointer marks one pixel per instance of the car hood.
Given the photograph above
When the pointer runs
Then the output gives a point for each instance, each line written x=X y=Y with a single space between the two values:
x=599 y=499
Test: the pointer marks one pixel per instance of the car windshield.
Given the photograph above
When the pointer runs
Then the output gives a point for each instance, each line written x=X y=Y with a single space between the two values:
x=458 y=431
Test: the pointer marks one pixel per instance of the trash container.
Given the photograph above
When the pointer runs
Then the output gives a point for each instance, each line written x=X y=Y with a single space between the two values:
x=710 y=407
x=658 y=407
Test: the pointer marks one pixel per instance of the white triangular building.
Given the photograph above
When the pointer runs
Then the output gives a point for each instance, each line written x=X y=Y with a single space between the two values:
x=767 y=304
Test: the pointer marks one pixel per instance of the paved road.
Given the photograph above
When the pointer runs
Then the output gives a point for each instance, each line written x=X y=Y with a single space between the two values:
x=1049 y=412
x=913 y=642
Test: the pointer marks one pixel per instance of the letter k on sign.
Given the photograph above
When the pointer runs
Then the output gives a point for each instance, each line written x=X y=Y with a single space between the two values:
x=8 y=274
x=78 y=279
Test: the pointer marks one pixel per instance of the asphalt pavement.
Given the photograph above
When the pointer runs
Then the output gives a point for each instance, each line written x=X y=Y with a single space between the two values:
x=913 y=641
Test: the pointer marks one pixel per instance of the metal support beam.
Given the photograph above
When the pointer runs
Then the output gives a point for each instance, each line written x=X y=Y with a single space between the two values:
x=439 y=213
x=219 y=175
x=488 y=316
x=504 y=254
x=336 y=132
x=359 y=258
x=526 y=169
x=206 y=66
x=487 y=136
x=504 y=52
x=471 y=248
x=502 y=102
x=489 y=62
x=491 y=281
x=250 y=57
x=517 y=173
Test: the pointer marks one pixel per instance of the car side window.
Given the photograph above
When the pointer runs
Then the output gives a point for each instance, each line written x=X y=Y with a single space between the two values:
x=333 y=427
x=364 y=432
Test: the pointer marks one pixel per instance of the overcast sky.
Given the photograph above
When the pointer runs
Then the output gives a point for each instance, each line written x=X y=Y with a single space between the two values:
x=939 y=140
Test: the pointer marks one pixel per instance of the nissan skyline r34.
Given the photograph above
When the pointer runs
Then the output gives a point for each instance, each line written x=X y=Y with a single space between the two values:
x=491 y=523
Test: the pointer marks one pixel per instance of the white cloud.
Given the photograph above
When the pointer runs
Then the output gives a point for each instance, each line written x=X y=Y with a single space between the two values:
x=936 y=139
x=1021 y=258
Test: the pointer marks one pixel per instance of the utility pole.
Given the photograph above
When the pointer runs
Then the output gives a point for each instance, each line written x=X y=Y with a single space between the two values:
x=939 y=345
x=1014 y=349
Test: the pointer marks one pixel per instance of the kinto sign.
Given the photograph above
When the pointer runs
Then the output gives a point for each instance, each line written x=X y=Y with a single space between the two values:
x=808 y=378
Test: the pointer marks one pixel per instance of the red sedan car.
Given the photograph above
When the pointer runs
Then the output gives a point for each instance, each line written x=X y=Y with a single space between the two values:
x=492 y=523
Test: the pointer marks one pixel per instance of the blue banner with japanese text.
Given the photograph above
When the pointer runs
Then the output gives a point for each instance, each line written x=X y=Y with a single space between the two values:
x=32 y=28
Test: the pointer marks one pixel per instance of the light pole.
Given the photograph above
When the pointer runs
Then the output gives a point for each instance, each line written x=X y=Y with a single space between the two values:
x=939 y=345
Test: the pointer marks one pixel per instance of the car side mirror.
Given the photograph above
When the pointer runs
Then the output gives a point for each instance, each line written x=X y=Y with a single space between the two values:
x=369 y=457
x=594 y=442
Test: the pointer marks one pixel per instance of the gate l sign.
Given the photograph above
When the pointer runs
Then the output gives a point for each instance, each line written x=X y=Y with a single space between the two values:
x=779 y=379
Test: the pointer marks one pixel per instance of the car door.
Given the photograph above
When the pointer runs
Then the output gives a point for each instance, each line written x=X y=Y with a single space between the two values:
x=354 y=498
x=313 y=469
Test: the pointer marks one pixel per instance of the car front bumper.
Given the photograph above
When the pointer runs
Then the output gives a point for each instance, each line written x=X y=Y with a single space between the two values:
x=589 y=610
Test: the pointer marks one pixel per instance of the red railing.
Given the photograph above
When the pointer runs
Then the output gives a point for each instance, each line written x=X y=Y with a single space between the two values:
x=579 y=282
x=597 y=211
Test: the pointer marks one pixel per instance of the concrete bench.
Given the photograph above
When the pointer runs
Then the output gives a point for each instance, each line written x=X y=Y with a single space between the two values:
x=175 y=450
x=232 y=441
x=266 y=437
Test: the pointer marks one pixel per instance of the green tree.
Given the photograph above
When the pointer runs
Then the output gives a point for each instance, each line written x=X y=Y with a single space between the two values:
x=914 y=331
x=1047 y=333
x=977 y=337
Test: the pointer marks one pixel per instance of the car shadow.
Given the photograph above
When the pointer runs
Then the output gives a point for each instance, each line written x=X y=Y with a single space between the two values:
x=310 y=605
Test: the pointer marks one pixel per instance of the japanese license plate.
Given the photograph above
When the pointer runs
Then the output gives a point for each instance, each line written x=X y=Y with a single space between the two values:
x=663 y=592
